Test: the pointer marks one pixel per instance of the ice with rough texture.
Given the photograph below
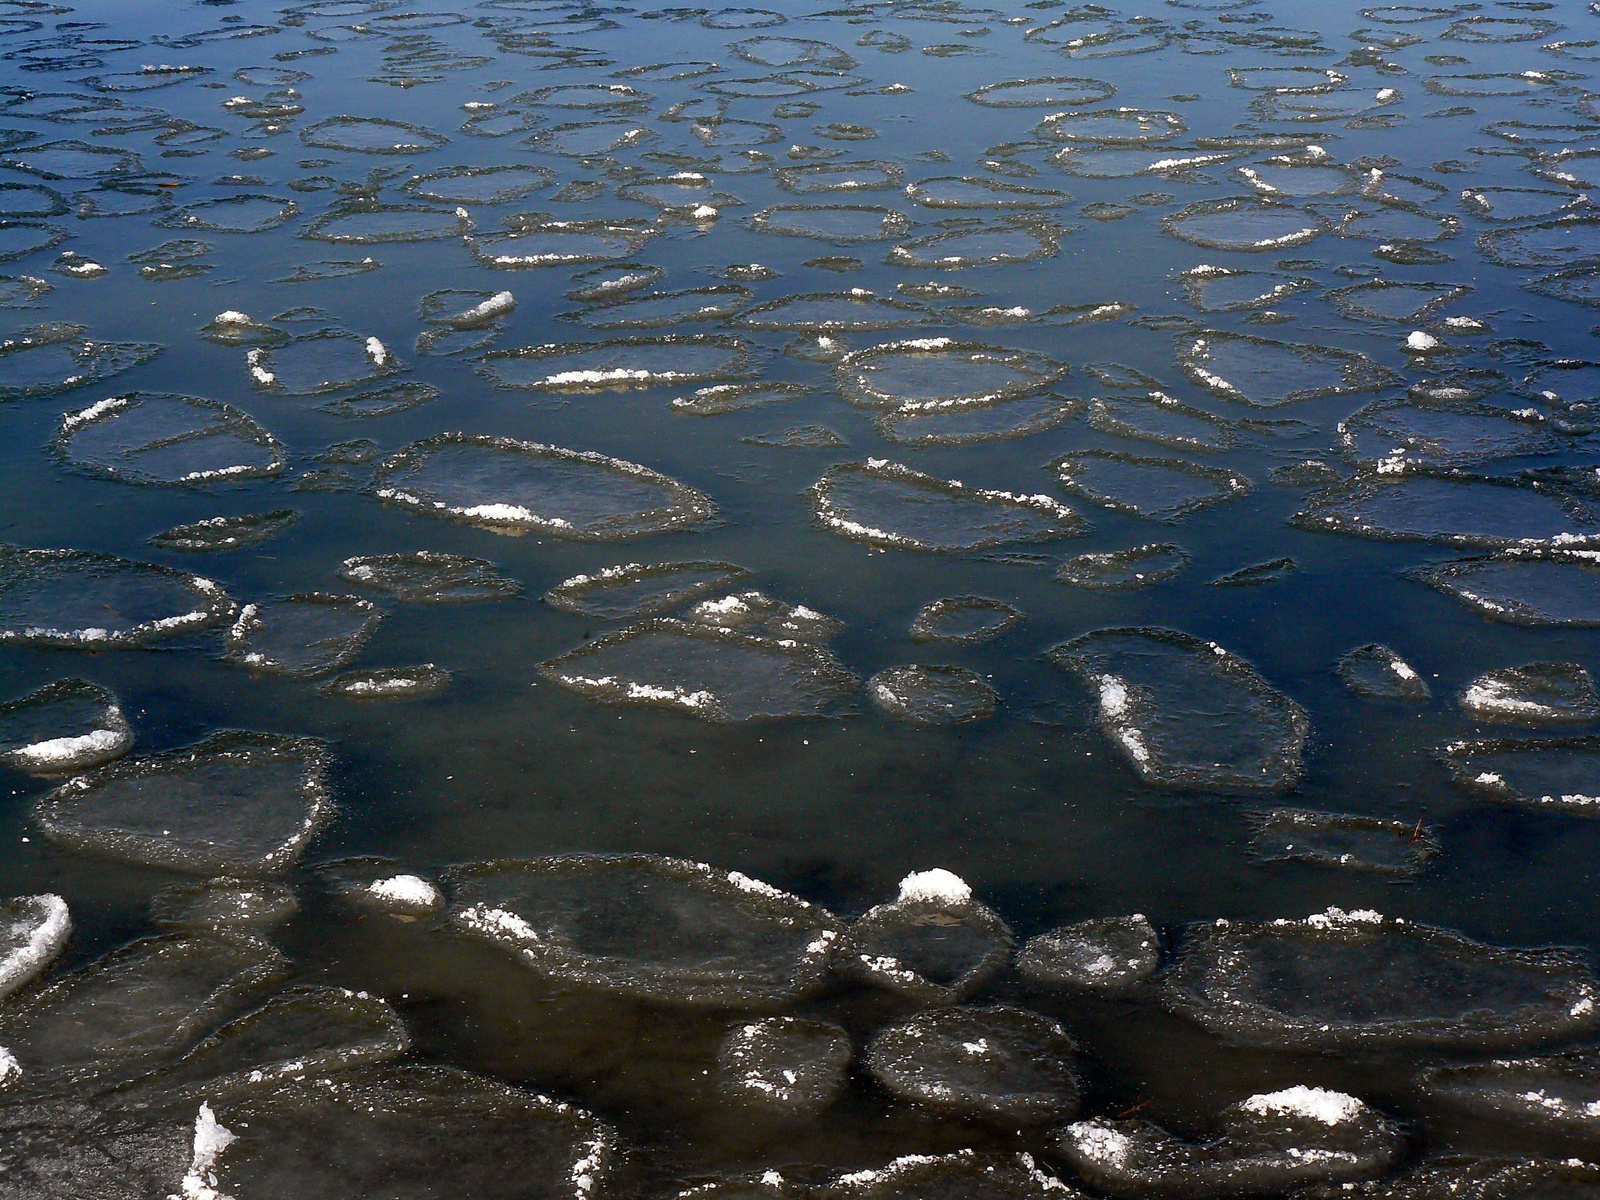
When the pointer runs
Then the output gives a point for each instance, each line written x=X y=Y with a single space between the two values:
x=1360 y=981
x=1392 y=435
x=66 y=726
x=1561 y=774
x=965 y=1174
x=1397 y=849
x=658 y=929
x=1558 y=1094
x=45 y=360
x=33 y=930
x=1268 y=1144
x=790 y=1068
x=1376 y=671
x=1185 y=713
x=389 y=683
x=409 y=1132
x=1524 y=587
x=966 y=620
x=227 y=533
x=1139 y=566
x=1454 y=510
x=941 y=373
x=759 y=615
x=162 y=438
x=223 y=903
x=1164 y=489
x=934 y=943
x=891 y=505
x=1539 y=693
x=932 y=695
x=705 y=671
x=1269 y=374
x=999 y=1063
x=429 y=577
x=629 y=590
x=516 y=487
x=299 y=636
x=78 y=600
x=234 y=803
x=1105 y=954
x=135 y=1010
x=319 y=363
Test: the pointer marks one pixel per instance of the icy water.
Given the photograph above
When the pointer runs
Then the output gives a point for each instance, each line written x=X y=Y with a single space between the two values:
x=863 y=600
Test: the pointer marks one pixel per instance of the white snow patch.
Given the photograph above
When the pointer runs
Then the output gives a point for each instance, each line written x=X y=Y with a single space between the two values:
x=937 y=886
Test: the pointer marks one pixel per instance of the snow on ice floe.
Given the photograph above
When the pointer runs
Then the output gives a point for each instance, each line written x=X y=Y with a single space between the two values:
x=429 y=577
x=1534 y=587
x=941 y=373
x=33 y=930
x=685 y=933
x=1166 y=489
x=299 y=636
x=75 y=599
x=1266 y=1144
x=1185 y=713
x=509 y=486
x=965 y=1173
x=166 y=439
x=226 y=533
x=223 y=903
x=1356 y=980
x=66 y=726
x=788 y=1068
x=1138 y=566
x=45 y=360
x=390 y=683
x=620 y=364
x=1561 y=774
x=1539 y=693
x=1376 y=671
x=630 y=590
x=893 y=506
x=1557 y=1094
x=999 y=1063
x=1269 y=374
x=1397 y=849
x=1104 y=954
x=919 y=694
x=964 y=620
x=234 y=803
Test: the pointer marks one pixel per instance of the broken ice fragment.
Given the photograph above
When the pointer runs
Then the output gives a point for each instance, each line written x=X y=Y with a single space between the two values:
x=785 y=1067
x=964 y=619
x=932 y=695
x=639 y=590
x=64 y=727
x=33 y=930
x=226 y=533
x=1107 y=954
x=429 y=577
x=1398 y=849
x=1377 y=671
x=301 y=635
x=1541 y=693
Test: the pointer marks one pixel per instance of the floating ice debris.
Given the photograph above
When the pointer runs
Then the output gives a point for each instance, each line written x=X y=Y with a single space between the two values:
x=1112 y=126
x=490 y=307
x=1398 y=849
x=1558 y=1094
x=1540 y=693
x=33 y=930
x=939 y=373
x=934 y=943
x=227 y=533
x=306 y=634
x=1230 y=289
x=371 y=135
x=479 y=185
x=968 y=424
x=1388 y=300
x=814 y=178
x=799 y=437
x=389 y=683
x=234 y=803
x=78 y=600
x=243 y=213
x=660 y=310
x=339 y=268
x=64 y=727
x=45 y=360
x=968 y=192
x=322 y=362
x=304 y=1032
x=1245 y=224
x=1049 y=91
x=705 y=671
x=516 y=487
x=429 y=577
x=652 y=928
x=136 y=1009
x=967 y=620
x=223 y=903
x=162 y=438
x=536 y=244
x=1019 y=240
x=1358 y=980
x=462 y=1133
x=1268 y=374
x=382 y=401
x=1098 y=162
x=637 y=590
x=786 y=1067
x=1166 y=489
x=1256 y=574
x=1391 y=435
x=967 y=1173
x=604 y=284
x=856 y=311
x=759 y=614
x=1547 y=773
x=369 y=222
x=1268 y=1144
x=1546 y=244
x=1524 y=587
x=1187 y=714
x=405 y=895
x=841 y=224
x=736 y=397
x=1423 y=505
x=1137 y=567
x=1376 y=671
x=234 y=328
x=1003 y=1064
x=1107 y=954
x=1159 y=418
x=620 y=364
x=932 y=695
x=75 y=266
x=887 y=504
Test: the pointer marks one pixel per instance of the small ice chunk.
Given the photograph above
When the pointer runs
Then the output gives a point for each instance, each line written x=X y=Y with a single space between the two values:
x=937 y=886
x=407 y=894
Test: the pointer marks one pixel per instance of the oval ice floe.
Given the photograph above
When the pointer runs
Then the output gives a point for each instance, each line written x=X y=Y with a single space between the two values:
x=842 y=224
x=1112 y=126
x=302 y=635
x=620 y=363
x=1397 y=849
x=1020 y=240
x=855 y=311
x=890 y=505
x=479 y=185
x=160 y=438
x=1019 y=417
x=1185 y=713
x=1139 y=566
x=429 y=577
x=1245 y=224
x=43 y=360
x=80 y=600
x=660 y=310
x=660 y=929
x=639 y=590
x=1524 y=587
x=1106 y=955
x=932 y=695
x=1159 y=418
x=549 y=243
x=319 y=363
x=966 y=620
x=362 y=222
x=66 y=726
x=371 y=135
x=1047 y=91
x=1556 y=774
x=244 y=213
x=940 y=373
x=1376 y=671
x=1267 y=373
x=1166 y=489
x=519 y=487
x=786 y=1067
